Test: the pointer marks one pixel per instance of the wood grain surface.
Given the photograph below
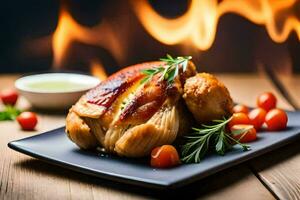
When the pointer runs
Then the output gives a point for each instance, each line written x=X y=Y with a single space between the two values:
x=280 y=170
x=23 y=177
x=291 y=83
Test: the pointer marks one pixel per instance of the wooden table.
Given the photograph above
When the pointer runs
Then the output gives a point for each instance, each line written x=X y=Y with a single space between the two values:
x=275 y=175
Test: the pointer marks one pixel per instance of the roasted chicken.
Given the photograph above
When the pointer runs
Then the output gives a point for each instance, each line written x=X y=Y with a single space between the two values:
x=130 y=118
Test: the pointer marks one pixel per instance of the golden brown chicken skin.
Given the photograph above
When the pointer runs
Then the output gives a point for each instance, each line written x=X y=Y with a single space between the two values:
x=128 y=117
x=207 y=98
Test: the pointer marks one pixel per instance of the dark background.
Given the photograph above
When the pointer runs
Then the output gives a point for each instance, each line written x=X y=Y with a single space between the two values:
x=27 y=27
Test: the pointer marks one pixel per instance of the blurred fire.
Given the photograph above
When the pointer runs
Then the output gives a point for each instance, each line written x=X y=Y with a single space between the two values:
x=68 y=31
x=199 y=23
x=120 y=37
x=97 y=69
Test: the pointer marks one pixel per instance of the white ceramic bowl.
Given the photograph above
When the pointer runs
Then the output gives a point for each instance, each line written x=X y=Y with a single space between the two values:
x=54 y=90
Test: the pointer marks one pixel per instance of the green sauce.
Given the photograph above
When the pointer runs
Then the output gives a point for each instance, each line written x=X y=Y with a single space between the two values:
x=57 y=86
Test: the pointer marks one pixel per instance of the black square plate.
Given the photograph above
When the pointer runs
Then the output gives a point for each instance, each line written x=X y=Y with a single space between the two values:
x=54 y=147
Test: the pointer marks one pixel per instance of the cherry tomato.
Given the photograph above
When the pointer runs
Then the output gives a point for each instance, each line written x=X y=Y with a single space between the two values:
x=240 y=108
x=247 y=136
x=267 y=101
x=164 y=157
x=9 y=97
x=27 y=120
x=276 y=119
x=239 y=118
x=257 y=117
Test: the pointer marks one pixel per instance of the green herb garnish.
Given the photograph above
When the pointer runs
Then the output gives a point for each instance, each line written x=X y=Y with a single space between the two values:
x=123 y=104
x=169 y=71
x=9 y=113
x=201 y=141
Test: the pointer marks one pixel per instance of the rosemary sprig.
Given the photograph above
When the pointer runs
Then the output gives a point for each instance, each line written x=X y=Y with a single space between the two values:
x=169 y=71
x=206 y=137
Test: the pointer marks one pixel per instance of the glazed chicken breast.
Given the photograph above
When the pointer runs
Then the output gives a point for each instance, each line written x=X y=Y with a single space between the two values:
x=128 y=117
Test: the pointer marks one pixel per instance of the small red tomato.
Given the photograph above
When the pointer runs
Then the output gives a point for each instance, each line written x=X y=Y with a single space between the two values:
x=9 y=97
x=240 y=108
x=27 y=120
x=267 y=101
x=276 y=119
x=239 y=118
x=257 y=117
x=164 y=157
x=247 y=136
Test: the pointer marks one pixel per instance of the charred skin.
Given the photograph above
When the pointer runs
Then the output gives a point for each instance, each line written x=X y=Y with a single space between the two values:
x=127 y=117
x=107 y=91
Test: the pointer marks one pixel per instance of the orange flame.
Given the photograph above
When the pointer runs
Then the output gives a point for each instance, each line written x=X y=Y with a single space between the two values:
x=199 y=23
x=98 y=70
x=68 y=31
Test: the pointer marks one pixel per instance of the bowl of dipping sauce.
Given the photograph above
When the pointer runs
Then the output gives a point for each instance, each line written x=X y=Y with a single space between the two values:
x=55 y=90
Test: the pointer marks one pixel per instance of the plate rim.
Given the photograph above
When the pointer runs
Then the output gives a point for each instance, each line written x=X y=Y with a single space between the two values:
x=79 y=168
x=146 y=182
